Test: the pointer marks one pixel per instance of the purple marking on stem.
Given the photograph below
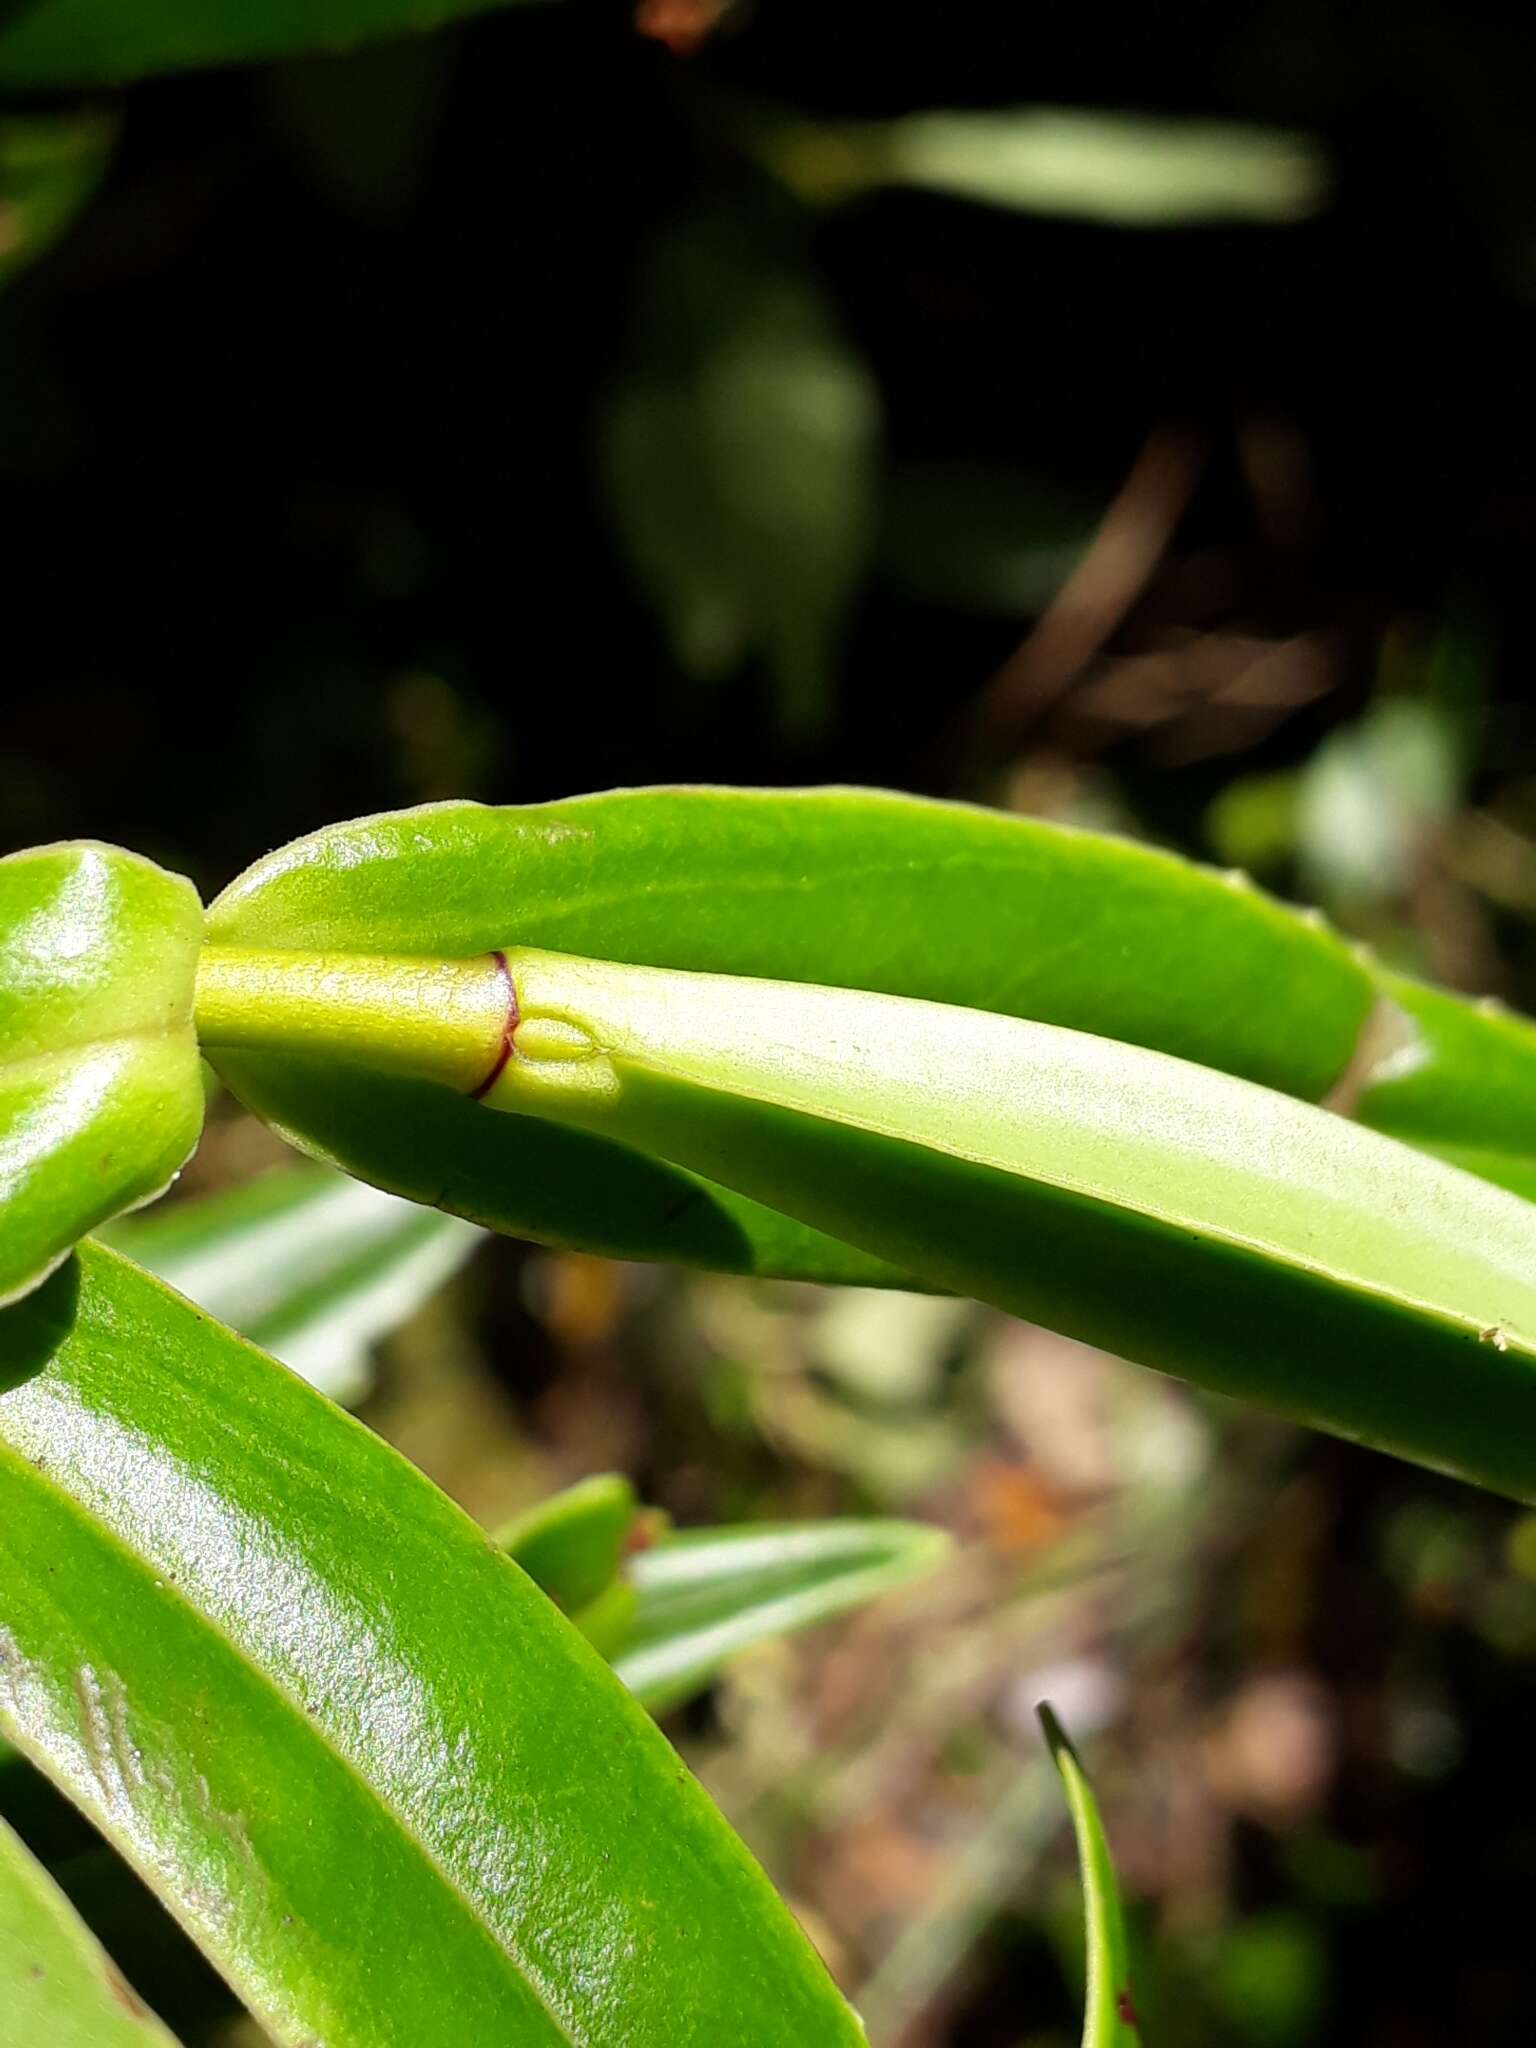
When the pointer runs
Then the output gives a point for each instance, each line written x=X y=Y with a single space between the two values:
x=509 y=1025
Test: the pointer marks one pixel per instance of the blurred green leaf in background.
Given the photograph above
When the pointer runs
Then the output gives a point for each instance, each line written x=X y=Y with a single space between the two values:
x=704 y=1594
x=49 y=166
x=312 y=1266
x=1112 y=168
x=740 y=449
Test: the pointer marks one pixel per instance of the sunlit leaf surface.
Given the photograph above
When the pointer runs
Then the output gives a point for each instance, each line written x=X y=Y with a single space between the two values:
x=873 y=891
x=392 y=1793
x=1179 y=1217
x=101 y=1095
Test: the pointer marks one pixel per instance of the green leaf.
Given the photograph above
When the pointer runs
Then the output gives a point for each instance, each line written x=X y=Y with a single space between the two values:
x=573 y=1543
x=704 y=1594
x=873 y=891
x=1120 y=169
x=1180 y=1217
x=93 y=42
x=313 y=1266
x=50 y=164
x=101 y=1095
x=1461 y=1081
x=57 y=1985
x=383 y=1783
x=1109 y=2020
x=668 y=1616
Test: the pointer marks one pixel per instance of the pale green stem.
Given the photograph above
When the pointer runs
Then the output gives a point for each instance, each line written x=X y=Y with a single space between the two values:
x=440 y=1020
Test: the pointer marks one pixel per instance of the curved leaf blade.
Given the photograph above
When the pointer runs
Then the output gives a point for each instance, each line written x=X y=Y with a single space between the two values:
x=57 y=1984
x=901 y=894
x=265 y=1655
x=703 y=1595
x=312 y=1266
x=101 y=1096
x=1191 y=1221
x=526 y=1179
x=856 y=887
x=1109 y=2019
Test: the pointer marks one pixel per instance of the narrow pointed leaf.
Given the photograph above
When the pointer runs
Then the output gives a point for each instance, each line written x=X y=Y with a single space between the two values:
x=1109 y=2019
x=703 y=1595
x=311 y=1265
x=57 y=1984
x=854 y=887
x=382 y=1782
x=1180 y=1217
x=101 y=1096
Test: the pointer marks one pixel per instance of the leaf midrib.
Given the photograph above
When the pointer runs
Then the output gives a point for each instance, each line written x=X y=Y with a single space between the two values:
x=1307 y=1265
x=170 y=1594
x=148 y=1034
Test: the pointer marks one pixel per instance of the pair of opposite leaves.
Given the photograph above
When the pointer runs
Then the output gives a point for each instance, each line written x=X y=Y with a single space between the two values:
x=902 y=1122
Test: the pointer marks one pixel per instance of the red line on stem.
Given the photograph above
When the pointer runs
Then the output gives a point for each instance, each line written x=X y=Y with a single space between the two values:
x=509 y=1025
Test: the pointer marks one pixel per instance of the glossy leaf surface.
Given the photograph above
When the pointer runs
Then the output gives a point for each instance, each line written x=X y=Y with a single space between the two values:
x=1177 y=1216
x=853 y=887
x=391 y=1792
x=92 y=42
x=704 y=1594
x=312 y=1266
x=1109 y=2018
x=58 y=1987
x=101 y=1095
